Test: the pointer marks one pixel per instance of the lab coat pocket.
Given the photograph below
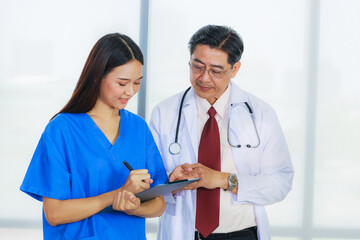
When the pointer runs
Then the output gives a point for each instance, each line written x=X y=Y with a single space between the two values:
x=247 y=160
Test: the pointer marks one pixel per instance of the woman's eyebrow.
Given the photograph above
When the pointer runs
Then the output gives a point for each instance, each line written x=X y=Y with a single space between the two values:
x=128 y=79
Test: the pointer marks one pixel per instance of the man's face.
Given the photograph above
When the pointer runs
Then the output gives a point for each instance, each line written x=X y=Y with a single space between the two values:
x=210 y=72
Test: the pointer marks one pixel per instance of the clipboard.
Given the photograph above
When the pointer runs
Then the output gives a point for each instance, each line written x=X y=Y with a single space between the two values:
x=162 y=189
x=156 y=191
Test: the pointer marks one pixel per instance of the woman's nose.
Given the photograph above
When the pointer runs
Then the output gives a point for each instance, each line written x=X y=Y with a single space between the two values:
x=129 y=90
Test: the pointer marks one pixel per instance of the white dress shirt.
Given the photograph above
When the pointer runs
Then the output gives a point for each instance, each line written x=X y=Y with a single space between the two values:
x=233 y=217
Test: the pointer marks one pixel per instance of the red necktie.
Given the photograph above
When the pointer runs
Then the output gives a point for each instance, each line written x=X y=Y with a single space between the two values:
x=208 y=200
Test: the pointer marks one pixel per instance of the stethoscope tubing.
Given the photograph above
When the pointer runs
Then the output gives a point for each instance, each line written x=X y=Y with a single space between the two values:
x=256 y=131
x=179 y=115
x=175 y=147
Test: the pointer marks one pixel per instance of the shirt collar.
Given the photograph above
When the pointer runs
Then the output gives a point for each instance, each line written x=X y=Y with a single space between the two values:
x=220 y=105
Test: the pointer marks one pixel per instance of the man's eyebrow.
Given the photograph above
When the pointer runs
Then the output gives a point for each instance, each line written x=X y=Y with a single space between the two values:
x=198 y=60
x=217 y=66
x=212 y=65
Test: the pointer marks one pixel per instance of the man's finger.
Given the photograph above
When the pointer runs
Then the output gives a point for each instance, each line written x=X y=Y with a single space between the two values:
x=191 y=186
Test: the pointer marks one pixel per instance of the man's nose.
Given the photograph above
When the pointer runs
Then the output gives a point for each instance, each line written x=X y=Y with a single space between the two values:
x=205 y=76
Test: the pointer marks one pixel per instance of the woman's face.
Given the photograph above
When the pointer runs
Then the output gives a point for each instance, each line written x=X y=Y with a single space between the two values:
x=119 y=85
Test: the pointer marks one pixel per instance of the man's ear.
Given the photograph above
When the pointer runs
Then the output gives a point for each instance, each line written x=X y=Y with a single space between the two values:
x=236 y=68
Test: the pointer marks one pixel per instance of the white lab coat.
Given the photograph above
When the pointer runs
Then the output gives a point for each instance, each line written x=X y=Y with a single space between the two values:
x=265 y=173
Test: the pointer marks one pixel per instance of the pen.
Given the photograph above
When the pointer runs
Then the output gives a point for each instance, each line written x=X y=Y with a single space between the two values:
x=128 y=166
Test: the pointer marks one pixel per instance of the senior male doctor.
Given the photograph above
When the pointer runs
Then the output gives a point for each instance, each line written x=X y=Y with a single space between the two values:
x=229 y=138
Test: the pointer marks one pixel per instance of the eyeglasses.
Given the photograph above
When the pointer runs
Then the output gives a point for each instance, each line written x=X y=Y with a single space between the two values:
x=212 y=72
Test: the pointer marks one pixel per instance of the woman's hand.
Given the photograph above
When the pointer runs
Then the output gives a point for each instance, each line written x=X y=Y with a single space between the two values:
x=137 y=181
x=126 y=201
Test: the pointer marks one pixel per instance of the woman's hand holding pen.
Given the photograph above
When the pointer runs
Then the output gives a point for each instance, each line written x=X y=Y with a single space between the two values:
x=137 y=181
x=126 y=201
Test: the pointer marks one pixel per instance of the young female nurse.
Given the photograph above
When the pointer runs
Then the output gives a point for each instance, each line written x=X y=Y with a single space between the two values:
x=77 y=169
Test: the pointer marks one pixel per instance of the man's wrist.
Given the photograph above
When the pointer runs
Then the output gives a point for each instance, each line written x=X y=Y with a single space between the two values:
x=225 y=180
x=232 y=182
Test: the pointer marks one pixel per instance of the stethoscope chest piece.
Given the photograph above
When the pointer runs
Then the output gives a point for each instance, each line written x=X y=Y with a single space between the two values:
x=175 y=148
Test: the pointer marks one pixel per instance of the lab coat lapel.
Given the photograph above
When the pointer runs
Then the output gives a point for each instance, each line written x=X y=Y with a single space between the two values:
x=190 y=114
x=237 y=96
x=237 y=135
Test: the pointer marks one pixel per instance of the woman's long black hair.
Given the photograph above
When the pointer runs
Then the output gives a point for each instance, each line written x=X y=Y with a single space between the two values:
x=110 y=51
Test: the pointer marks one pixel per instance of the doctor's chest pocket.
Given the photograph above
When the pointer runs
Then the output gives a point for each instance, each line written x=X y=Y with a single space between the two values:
x=247 y=160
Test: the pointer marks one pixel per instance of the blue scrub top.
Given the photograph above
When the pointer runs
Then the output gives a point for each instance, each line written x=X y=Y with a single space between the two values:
x=74 y=159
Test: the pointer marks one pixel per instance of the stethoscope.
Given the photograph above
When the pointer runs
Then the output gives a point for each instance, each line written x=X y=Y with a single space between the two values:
x=175 y=147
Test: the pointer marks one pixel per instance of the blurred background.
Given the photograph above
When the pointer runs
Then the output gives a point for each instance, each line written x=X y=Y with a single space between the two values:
x=301 y=56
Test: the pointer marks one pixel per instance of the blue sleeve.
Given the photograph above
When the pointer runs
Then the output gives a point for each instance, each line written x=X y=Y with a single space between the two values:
x=154 y=161
x=48 y=174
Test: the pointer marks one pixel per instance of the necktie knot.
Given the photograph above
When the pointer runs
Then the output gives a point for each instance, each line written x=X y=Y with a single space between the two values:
x=212 y=112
